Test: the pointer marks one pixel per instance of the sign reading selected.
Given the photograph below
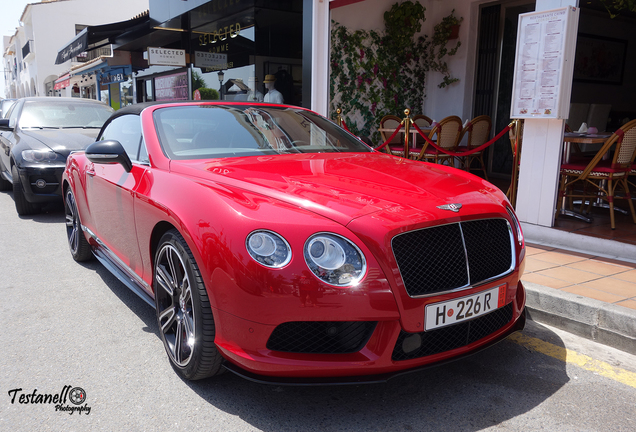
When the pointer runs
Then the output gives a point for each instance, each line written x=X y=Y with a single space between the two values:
x=166 y=57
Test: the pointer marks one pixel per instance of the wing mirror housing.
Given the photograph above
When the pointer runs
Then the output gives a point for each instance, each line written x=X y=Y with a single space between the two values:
x=4 y=125
x=108 y=152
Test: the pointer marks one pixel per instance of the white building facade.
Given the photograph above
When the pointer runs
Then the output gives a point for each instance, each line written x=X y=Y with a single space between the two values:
x=29 y=55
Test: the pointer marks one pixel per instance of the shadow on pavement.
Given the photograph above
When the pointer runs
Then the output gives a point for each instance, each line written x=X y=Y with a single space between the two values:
x=477 y=392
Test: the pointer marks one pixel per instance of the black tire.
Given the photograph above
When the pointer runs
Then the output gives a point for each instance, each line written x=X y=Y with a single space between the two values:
x=77 y=243
x=22 y=206
x=185 y=319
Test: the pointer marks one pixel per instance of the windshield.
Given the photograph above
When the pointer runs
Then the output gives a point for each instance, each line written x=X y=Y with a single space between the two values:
x=218 y=131
x=63 y=114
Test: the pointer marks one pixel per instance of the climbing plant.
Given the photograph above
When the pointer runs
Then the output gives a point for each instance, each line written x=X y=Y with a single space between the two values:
x=615 y=7
x=378 y=73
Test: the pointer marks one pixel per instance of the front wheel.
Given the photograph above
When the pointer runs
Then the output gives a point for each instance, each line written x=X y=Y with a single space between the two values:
x=22 y=206
x=184 y=315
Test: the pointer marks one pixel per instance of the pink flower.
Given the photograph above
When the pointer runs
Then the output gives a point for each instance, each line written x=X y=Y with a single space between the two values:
x=375 y=70
x=373 y=106
x=384 y=82
x=361 y=54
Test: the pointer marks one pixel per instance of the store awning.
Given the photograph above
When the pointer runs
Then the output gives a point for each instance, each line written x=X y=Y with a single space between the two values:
x=62 y=82
x=93 y=37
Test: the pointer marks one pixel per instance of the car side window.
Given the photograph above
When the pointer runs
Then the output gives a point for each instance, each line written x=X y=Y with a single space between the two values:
x=143 y=153
x=12 y=115
x=127 y=130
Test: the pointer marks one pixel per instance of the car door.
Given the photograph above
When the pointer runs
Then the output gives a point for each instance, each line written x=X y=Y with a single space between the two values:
x=110 y=192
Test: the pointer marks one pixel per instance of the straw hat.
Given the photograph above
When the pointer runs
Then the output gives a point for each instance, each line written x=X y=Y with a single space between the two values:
x=269 y=79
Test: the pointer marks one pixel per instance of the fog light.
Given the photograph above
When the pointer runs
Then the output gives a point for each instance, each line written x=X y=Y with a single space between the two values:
x=41 y=183
x=411 y=343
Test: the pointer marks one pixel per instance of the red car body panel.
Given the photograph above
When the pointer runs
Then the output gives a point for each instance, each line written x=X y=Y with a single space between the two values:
x=368 y=198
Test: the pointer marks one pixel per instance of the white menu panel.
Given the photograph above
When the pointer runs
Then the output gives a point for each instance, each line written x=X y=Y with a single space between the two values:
x=544 y=63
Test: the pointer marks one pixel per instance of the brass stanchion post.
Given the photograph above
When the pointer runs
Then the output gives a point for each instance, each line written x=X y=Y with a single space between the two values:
x=407 y=125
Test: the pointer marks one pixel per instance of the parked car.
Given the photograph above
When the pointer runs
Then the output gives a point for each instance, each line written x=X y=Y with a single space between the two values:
x=275 y=244
x=36 y=138
x=5 y=104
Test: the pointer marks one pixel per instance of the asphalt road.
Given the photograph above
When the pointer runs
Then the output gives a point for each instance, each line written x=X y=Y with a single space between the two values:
x=67 y=326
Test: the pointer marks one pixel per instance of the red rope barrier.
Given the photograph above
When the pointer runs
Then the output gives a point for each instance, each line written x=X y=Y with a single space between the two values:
x=344 y=126
x=390 y=139
x=466 y=153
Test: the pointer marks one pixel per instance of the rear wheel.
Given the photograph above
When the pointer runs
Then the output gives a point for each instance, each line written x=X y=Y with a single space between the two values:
x=22 y=206
x=184 y=315
x=77 y=243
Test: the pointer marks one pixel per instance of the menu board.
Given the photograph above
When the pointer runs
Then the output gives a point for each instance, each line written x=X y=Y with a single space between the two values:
x=544 y=63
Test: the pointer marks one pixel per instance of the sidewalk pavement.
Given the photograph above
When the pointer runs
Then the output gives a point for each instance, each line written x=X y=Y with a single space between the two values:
x=587 y=295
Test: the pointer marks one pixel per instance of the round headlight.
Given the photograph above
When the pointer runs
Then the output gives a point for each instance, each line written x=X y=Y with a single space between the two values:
x=39 y=156
x=326 y=253
x=334 y=259
x=268 y=248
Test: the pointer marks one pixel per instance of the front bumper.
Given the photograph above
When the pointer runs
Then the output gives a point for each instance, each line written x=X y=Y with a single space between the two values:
x=368 y=379
x=41 y=184
x=243 y=344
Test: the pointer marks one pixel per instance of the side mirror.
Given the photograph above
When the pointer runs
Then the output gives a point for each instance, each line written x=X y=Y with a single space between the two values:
x=108 y=152
x=4 y=125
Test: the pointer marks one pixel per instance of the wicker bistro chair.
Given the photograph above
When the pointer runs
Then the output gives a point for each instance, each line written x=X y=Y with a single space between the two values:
x=601 y=177
x=516 y=140
x=478 y=130
x=447 y=132
x=422 y=122
x=396 y=146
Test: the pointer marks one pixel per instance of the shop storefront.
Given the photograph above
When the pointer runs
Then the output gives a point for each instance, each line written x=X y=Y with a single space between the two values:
x=116 y=86
x=232 y=46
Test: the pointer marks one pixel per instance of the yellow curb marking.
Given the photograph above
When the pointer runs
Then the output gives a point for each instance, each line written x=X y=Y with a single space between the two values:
x=580 y=360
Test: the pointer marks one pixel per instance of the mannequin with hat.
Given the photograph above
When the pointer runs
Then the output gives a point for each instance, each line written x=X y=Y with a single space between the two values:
x=273 y=95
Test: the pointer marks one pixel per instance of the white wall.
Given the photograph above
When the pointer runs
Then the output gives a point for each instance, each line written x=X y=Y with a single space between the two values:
x=455 y=99
x=53 y=25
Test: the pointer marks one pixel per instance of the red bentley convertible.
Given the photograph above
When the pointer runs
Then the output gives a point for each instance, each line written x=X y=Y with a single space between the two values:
x=277 y=245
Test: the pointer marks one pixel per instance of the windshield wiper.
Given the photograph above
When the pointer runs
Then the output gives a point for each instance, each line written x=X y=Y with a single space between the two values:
x=80 y=127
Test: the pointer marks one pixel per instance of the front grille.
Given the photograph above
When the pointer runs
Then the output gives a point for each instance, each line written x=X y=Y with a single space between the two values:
x=321 y=337
x=451 y=337
x=447 y=257
x=51 y=184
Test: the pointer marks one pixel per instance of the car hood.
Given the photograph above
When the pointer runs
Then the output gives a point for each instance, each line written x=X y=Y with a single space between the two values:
x=346 y=187
x=63 y=141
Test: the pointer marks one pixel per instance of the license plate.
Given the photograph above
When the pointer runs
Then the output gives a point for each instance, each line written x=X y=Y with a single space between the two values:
x=451 y=312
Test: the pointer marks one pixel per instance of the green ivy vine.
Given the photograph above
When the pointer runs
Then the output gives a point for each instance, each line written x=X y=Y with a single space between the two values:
x=374 y=74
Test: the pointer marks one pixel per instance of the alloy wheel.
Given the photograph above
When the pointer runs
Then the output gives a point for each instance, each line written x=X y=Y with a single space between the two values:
x=175 y=308
x=73 y=229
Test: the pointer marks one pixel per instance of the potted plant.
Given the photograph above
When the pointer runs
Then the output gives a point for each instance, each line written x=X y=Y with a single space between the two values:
x=447 y=29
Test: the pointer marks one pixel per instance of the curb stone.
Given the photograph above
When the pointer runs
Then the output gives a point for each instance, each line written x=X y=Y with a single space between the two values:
x=601 y=322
